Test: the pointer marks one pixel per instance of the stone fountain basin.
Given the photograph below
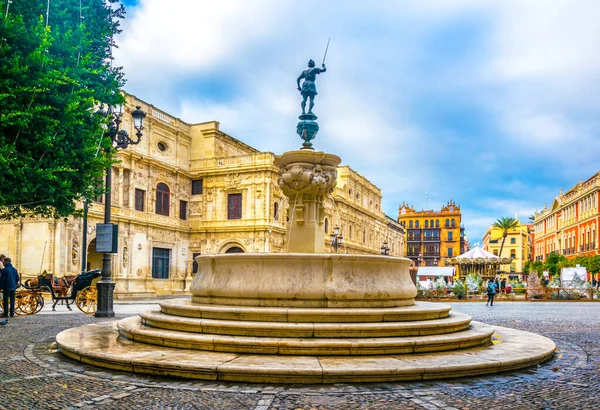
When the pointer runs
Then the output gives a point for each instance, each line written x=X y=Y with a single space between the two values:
x=303 y=280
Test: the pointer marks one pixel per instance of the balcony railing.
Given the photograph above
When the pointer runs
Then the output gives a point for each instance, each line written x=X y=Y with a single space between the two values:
x=587 y=247
x=431 y=239
x=431 y=254
x=413 y=239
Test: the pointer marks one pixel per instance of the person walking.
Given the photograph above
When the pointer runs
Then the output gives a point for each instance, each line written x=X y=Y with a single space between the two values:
x=9 y=278
x=491 y=291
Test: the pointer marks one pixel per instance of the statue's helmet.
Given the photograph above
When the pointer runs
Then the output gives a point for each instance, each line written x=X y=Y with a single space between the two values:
x=311 y=63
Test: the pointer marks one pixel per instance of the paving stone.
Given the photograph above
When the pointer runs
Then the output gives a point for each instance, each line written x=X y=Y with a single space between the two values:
x=34 y=375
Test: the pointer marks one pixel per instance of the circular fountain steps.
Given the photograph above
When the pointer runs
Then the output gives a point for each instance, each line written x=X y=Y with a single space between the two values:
x=418 y=311
x=101 y=345
x=133 y=328
x=453 y=323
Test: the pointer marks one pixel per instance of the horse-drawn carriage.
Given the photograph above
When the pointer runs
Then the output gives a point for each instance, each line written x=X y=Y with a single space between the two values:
x=78 y=289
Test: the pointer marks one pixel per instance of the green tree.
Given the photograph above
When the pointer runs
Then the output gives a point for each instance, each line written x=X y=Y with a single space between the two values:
x=538 y=267
x=52 y=77
x=553 y=263
x=505 y=224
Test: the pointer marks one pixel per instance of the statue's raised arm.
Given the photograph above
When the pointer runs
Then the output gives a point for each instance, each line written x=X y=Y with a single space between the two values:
x=308 y=88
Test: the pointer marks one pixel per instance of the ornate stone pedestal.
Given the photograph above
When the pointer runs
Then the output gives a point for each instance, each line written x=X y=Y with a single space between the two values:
x=306 y=178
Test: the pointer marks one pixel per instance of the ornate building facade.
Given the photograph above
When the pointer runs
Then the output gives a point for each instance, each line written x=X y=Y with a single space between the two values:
x=570 y=226
x=431 y=235
x=186 y=190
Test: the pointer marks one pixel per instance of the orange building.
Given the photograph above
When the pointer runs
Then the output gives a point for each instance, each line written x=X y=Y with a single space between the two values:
x=431 y=235
x=570 y=226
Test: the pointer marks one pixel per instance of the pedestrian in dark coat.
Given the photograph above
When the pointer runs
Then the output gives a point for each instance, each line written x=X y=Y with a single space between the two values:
x=9 y=278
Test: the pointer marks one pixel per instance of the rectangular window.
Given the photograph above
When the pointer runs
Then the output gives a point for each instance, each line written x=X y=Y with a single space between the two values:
x=183 y=210
x=513 y=253
x=195 y=264
x=234 y=206
x=513 y=240
x=197 y=187
x=449 y=252
x=449 y=236
x=140 y=199
x=161 y=259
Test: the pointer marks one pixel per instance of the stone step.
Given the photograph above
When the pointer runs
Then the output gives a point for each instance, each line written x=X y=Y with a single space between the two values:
x=418 y=311
x=99 y=345
x=453 y=323
x=477 y=335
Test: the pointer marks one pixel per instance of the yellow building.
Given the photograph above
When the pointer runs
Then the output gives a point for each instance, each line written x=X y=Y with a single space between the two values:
x=432 y=235
x=185 y=190
x=517 y=245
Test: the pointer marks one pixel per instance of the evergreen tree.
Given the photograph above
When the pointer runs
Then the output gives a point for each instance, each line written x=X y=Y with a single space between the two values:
x=54 y=71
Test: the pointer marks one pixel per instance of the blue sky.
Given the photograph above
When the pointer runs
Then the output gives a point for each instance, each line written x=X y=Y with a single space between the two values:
x=493 y=104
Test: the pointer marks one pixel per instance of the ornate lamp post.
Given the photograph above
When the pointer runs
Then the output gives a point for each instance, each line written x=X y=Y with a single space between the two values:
x=120 y=140
x=336 y=238
x=385 y=250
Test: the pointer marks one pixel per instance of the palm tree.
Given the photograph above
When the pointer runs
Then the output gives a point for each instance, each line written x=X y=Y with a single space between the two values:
x=505 y=224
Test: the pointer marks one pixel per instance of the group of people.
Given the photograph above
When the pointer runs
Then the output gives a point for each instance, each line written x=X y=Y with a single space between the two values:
x=9 y=280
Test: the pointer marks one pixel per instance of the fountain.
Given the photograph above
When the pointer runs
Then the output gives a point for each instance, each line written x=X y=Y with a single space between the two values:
x=304 y=316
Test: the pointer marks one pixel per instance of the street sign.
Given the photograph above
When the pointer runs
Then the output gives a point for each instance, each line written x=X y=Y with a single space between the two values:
x=107 y=236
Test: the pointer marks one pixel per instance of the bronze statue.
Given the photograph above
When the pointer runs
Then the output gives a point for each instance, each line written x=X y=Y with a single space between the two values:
x=309 y=89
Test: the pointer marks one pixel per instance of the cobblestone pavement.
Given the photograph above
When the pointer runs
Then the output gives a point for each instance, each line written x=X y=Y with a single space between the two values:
x=34 y=375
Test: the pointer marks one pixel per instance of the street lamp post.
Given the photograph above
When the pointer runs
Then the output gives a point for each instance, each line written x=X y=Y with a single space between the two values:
x=120 y=140
x=385 y=250
x=336 y=238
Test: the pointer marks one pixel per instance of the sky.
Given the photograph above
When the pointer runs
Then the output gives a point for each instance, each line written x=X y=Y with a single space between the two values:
x=493 y=104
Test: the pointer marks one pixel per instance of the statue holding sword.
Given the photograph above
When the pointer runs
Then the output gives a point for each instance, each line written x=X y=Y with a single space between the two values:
x=308 y=88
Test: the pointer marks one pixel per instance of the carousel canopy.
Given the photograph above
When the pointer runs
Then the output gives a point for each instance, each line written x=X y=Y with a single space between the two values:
x=477 y=252
x=477 y=256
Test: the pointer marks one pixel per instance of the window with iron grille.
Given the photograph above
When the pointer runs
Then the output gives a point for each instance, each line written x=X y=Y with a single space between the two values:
x=234 y=206
x=140 y=199
x=161 y=259
x=197 y=187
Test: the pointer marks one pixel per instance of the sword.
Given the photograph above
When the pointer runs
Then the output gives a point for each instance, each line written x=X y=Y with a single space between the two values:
x=326 y=48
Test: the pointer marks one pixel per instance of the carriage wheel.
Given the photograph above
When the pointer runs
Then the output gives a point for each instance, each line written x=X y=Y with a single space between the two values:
x=87 y=299
x=26 y=303
x=40 y=302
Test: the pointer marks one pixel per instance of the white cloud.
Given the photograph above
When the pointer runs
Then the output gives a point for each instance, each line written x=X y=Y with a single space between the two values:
x=531 y=80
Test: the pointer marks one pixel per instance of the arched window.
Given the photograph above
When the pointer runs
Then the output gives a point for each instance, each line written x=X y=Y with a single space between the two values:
x=326 y=225
x=416 y=224
x=162 y=199
x=431 y=223
x=426 y=224
x=234 y=249
x=410 y=224
x=276 y=211
x=437 y=223
x=447 y=223
x=452 y=223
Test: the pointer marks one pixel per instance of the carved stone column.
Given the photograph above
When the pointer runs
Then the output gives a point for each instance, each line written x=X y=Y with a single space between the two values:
x=306 y=177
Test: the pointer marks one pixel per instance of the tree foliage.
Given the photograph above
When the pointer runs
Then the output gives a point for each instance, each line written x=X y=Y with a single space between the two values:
x=52 y=78
x=553 y=264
